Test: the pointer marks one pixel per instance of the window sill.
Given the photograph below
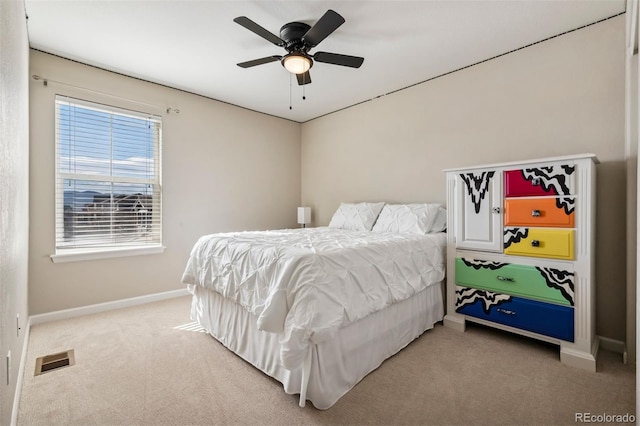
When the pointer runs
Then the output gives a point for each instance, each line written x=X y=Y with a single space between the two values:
x=77 y=255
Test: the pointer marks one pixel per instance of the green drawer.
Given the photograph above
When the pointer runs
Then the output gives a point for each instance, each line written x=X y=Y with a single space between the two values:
x=545 y=284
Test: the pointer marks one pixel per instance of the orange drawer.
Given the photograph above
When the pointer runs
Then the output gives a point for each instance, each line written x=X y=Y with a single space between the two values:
x=548 y=212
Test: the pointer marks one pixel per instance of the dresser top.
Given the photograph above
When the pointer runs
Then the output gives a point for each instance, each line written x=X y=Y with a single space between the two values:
x=524 y=162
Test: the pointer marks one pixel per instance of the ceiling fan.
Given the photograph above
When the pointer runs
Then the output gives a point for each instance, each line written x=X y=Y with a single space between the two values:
x=298 y=38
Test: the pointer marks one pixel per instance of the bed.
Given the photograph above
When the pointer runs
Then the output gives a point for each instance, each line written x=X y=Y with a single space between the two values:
x=320 y=308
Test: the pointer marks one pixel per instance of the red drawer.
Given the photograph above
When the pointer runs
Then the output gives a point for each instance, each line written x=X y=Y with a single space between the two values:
x=537 y=181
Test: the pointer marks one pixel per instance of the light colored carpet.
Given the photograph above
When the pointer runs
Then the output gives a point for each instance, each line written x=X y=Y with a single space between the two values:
x=149 y=365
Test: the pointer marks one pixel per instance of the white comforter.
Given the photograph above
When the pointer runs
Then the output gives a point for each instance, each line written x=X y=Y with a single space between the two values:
x=307 y=283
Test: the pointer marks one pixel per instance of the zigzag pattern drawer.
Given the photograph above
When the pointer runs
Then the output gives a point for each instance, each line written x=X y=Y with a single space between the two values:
x=552 y=212
x=531 y=315
x=536 y=282
x=537 y=242
x=539 y=181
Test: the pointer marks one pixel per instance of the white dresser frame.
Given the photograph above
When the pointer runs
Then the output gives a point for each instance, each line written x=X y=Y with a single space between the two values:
x=582 y=353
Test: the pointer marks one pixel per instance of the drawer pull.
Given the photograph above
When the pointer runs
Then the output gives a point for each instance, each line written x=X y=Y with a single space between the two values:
x=535 y=181
x=501 y=278
x=535 y=213
x=535 y=243
x=506 y=311
x=496 y=210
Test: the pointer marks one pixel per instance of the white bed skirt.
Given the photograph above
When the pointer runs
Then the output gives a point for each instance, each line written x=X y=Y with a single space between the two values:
x=357 y=349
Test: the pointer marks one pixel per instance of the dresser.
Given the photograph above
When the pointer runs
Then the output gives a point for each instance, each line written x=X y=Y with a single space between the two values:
x=520 y=251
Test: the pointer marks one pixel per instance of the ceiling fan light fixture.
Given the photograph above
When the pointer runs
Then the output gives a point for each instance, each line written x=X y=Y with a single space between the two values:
x=297 y=63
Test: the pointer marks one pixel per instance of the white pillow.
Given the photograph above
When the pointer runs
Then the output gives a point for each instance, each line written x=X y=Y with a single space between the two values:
x=440 y=221
x=356 y=216
x=418 y=218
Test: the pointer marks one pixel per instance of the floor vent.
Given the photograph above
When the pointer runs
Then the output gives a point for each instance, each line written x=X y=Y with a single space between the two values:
x=52 y=362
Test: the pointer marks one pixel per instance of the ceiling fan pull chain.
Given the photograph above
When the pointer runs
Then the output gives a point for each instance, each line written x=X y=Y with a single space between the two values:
x=304 y=91
x=290 y=79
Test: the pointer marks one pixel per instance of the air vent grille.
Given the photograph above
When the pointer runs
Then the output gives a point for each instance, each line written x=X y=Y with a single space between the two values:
x=56 y=361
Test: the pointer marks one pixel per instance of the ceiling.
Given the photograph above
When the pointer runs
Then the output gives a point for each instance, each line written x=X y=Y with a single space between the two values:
x=195 y=45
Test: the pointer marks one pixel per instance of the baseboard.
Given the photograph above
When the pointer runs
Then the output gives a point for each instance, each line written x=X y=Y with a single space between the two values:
x=613 y=345
x=107 y=306
x=23 y=361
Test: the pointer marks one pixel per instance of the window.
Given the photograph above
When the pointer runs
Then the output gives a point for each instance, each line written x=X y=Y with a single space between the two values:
x=108 y=179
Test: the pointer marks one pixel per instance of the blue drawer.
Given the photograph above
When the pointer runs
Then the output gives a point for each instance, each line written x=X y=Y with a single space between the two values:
x=538 y=317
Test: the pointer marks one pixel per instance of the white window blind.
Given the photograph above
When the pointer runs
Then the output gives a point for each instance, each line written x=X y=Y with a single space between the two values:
x=108 y=177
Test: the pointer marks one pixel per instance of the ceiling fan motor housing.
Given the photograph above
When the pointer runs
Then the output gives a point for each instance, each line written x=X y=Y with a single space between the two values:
x=292 y=34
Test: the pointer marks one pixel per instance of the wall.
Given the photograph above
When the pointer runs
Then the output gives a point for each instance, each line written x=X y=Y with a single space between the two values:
x=631 y=146
x=561 y=96
x=14 y=194
x=219 y=174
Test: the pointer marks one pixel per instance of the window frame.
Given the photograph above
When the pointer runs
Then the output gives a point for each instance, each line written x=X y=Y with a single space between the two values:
x=111 y=249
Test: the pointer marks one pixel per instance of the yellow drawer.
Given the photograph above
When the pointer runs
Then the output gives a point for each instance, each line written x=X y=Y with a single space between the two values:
x=551 y=243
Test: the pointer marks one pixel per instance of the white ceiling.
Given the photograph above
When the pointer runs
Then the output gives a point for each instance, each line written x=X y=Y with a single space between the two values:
x=195 y=45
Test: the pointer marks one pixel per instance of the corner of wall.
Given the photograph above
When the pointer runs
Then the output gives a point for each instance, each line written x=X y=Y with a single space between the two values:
x=14 y=202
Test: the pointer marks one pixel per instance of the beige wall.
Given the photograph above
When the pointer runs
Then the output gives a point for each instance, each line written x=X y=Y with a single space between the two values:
x=14 y=194
x=561 y=96
x=631 y=121
x=224 y=169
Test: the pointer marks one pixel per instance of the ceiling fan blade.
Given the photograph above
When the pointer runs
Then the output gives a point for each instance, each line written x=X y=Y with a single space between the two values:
x=327 y=24
x=257 y=29
x=304 y=78
x=338 y=59
x=260 y=61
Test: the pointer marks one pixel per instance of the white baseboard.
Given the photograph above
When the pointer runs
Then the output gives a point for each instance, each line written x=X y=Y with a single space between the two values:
x=107 y=306
x=613 y=345
x=23 y=361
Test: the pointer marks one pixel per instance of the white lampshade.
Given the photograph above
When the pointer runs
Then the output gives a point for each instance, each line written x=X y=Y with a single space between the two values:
x=304 y=215
x=296 y=64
